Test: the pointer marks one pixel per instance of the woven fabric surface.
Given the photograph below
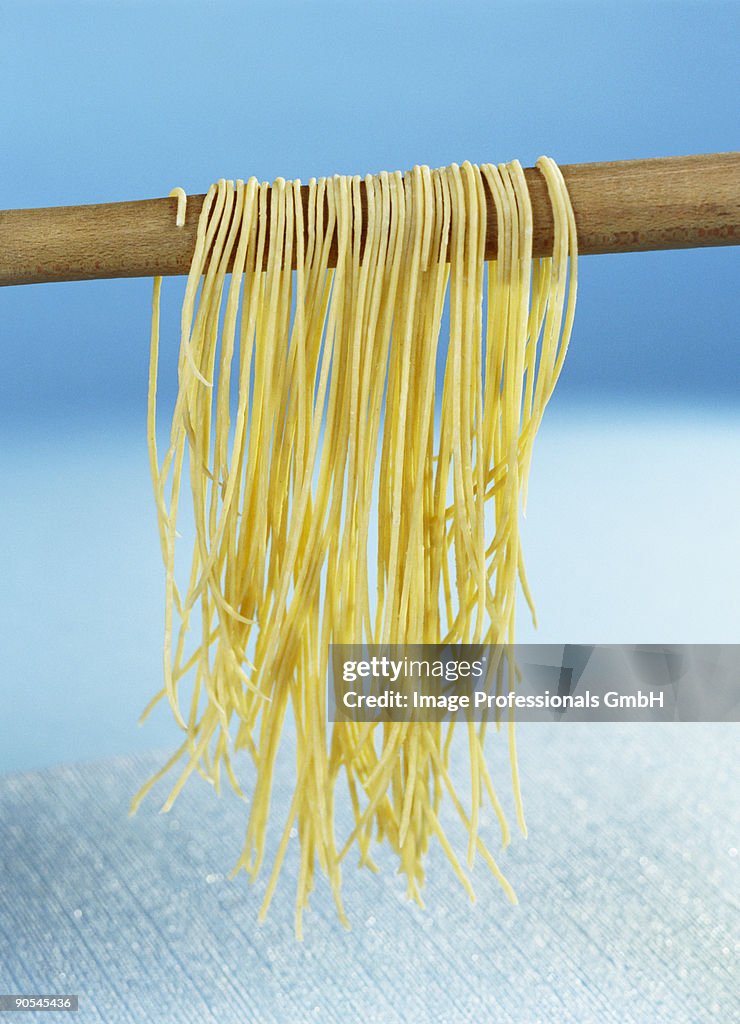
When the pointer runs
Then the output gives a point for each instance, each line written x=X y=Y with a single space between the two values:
x=625 y=884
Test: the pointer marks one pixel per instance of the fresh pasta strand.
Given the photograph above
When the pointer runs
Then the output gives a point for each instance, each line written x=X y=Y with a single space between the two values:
x=353 y=477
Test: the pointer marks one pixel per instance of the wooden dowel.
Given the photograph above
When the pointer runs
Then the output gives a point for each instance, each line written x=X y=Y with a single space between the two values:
x=625 y=206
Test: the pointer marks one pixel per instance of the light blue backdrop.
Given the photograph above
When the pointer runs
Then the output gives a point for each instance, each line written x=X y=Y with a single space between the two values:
x=111 y=101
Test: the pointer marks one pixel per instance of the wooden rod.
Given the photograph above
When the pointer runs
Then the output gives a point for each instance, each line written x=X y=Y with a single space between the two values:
x=626 y=206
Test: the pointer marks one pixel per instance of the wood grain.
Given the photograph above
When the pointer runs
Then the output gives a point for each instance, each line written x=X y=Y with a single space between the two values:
x=625 y=206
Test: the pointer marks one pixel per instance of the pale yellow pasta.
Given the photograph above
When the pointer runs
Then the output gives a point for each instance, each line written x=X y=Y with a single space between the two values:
x=342 y=487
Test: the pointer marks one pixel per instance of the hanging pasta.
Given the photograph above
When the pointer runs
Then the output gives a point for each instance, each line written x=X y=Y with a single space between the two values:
x=345 y=463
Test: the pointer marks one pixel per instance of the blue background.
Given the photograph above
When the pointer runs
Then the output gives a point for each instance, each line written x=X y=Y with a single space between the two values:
x=631 y=528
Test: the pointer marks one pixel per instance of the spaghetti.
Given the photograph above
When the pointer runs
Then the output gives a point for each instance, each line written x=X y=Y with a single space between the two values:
x=353 y=479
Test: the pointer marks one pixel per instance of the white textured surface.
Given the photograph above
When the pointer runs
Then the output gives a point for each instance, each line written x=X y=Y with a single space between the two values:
x=626 y=911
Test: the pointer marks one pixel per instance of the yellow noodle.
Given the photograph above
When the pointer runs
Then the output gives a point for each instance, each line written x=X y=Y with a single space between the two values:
x=345 y=489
